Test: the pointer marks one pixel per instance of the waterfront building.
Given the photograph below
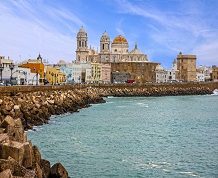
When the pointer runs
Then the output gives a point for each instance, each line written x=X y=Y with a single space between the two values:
x=106 y=73
x=120 y=77
x=215 y=73
x=172 y=74
x=139 y=71
x=186 y=64
x=76 y=72
x=200 y=76
x=203 y=73
x=55 y=77
x=88 y=75
x=96 y=73
x=36 y=66
x=161 y=74
x=66 y=69
x=25 y=77
x=7 y=71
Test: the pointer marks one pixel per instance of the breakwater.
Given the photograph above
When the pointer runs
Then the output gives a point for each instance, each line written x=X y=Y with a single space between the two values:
x=22 y=107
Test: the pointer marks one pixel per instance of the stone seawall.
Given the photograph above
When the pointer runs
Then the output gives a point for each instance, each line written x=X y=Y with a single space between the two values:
x=18 y=158
x=22 y=107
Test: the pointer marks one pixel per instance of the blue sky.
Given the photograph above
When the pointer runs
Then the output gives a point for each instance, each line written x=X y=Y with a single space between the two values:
x=161 y=28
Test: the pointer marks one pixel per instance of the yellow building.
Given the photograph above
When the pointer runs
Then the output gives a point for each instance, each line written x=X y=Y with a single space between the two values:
x=55 y=77
x=215 y=73
x=96 y=72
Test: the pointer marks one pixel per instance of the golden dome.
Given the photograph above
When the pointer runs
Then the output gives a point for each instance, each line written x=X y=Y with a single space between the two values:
x=119 y=40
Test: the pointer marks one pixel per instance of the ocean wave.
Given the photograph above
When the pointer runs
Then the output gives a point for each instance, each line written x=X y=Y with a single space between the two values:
x=215 y=92
x=188 y=173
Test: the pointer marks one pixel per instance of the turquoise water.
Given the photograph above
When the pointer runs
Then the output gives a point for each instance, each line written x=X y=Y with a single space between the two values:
x=135 y=137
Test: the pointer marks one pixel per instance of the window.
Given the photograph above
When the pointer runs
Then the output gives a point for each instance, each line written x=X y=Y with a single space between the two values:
x=103 y=46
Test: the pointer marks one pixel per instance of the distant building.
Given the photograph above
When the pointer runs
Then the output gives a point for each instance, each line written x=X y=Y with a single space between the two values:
x=161 y=74
x=140 y=72
x=76 y=72
x=36 y=66
x=96 y=73
x=203 y=73
x=7 y=71
x=55 y=77
x=118 y=51
x=186 y=64
x=215 y=73
x=106 y=73
x=25 y=77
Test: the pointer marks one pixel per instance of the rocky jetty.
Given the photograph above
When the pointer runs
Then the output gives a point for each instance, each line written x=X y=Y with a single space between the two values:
x=19 y=158
x=155 y=91
x=36 y=108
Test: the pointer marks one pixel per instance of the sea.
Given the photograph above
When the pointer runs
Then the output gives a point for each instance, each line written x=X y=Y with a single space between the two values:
x=135 y=137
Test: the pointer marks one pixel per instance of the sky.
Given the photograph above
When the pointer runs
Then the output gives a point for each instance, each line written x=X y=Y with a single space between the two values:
x=161 y=28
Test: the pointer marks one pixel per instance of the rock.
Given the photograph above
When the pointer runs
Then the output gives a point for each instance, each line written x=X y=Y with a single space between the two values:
x=37 y=155
x=58 y=171
x=6 y=174
x=45 y=165
x=7 y=121
x=28 y=155
x=12 y=149
x=18 y=169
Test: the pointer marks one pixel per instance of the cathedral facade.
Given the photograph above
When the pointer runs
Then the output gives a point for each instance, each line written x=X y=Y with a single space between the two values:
x=117 y=51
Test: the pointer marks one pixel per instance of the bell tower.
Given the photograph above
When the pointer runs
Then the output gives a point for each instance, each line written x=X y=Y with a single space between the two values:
x=82 y=46
x=105 y=47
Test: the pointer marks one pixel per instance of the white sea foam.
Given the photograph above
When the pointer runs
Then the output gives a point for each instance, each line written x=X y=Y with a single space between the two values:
x=215 y=92
x=142 y=105
x=188 y=173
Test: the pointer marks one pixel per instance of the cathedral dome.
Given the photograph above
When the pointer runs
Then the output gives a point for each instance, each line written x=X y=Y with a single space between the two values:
x=120 y=40
x=159 y=67
x=135 y=50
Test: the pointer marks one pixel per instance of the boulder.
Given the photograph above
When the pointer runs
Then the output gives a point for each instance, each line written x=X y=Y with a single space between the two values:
x=12 y=149
x=58 y=171
x=6 y=174
x=7 y=121
x=28 y=155
x=45 y=165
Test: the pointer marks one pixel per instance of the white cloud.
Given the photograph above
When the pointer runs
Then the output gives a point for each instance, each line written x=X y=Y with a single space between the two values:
x=29 y=32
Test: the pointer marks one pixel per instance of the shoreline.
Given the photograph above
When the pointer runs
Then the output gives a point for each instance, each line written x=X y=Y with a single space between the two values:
x=23 y=110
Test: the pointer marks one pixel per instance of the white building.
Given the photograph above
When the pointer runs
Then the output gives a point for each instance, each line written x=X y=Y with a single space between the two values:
x=161 y=74
x=25 y=77
x=166 y=75
x=203 y=73
x=172 y=73
x=76 y=72
x=8 y=69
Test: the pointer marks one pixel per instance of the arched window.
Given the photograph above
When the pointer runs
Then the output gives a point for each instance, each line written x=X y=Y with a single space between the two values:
x=103 y=46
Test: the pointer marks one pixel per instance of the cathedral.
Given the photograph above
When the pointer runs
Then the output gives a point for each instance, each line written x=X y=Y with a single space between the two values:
x=117 y=51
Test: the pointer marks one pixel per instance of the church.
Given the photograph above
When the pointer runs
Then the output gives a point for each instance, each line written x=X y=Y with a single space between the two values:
x=125 y=64
x=117 y=51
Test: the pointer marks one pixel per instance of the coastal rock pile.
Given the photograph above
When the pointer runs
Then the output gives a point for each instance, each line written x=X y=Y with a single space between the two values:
x=36 y=108
x=19 y=158
x=155 y=91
